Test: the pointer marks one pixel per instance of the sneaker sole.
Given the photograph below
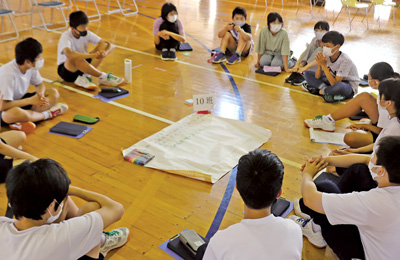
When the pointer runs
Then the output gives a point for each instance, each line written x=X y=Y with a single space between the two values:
x=317 y=246
x=220 y=61
x=297 y=84
x=164 y=58
x=231 y=63
x=26 y=127
x=89 y=88
x=319 y=128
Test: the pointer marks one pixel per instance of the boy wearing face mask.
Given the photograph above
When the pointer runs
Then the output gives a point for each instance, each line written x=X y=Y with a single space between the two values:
x=236 y=38
x=307 y=59
x=336 y=77
x=168 y=32
x=273 y=46
x=74 y=62
x=356 y=224
x=20 y=109
x=48 y=224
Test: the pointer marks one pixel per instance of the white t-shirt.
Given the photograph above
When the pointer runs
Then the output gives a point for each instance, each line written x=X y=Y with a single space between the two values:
x=384 y=116
x=78 y=45
x=392 y=128
x=14 y=84
x=265 y=238
x=375 y=213
x=345 y=68
x=68 y=240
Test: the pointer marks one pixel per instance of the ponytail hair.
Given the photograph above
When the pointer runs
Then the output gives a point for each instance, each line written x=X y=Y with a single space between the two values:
x=390 y=90
x=382 y=70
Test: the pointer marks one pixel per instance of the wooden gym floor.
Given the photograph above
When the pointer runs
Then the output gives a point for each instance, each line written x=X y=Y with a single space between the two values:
x=159 y=205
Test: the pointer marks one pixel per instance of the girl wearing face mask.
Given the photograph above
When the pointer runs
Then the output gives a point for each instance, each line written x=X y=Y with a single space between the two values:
x=273 y=46
x=168 y=32
x=363 y=134
x=307 y=58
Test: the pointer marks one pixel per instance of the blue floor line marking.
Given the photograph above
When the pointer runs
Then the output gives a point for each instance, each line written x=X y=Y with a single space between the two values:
x=224 y=205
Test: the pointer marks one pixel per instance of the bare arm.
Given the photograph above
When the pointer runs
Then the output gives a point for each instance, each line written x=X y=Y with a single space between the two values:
x=110 y=210
x=311 y=196
x=178 y=37
x=7 y=104
x=246 y=36
x=76 y=55
x=10 y=151
x=225 y=30
x=348 y=160
x=332 y=80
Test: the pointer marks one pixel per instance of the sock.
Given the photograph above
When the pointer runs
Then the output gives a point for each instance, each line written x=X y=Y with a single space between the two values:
x=330 y=118
x=86 y=75
x=103 y=75
x=315 y=227
x=46 y=114
x=222 y=51
x=103 y=239
x=239 y=53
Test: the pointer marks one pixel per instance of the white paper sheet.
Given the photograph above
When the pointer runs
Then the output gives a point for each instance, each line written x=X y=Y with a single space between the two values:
x=203 y=147
x=326 y=137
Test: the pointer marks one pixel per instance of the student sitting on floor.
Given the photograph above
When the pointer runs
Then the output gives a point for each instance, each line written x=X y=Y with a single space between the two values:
x=9 y=143
x=74 y=62
x=260 y=235
x=236 y=38
x=20 y=109
x=363 y=134
x=361 y=225
x=273 y=46
x=168 y=32
x=336 y=78
x=48 y=224
x=307 y=59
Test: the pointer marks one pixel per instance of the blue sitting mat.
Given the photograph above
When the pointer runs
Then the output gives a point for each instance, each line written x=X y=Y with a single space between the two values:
x=51 y=4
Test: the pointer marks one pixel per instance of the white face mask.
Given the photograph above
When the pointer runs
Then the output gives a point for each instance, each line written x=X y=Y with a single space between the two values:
x=39 y=64
x=319 y=35
x=172 y=18
x=327 y=51
x=54 y=218
x=239 y=23
x=275 y=27
x=371 y=166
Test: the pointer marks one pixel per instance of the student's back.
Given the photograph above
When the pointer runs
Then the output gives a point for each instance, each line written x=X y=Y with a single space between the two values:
x=265 y=238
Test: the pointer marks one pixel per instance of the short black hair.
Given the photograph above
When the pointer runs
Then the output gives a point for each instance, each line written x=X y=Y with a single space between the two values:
x=333 y=37
x=33 y=186
x=390 y=90
x=29 y=49
x=322 y=25
x=259 y=178
x=78 y=18
x=381 y=71
x=272 y=18
x=239 y=10
x=166 y=9
x=388 y=155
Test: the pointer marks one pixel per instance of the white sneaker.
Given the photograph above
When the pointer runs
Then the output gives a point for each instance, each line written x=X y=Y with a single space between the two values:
x=114 y=239
x=112 y=80
x=85 y=82
x=315 y=238
x=320 y=122
x=297 y=210
x=57 y=109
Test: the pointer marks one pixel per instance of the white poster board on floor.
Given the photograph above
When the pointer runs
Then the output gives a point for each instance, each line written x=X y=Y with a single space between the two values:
x=203 y=147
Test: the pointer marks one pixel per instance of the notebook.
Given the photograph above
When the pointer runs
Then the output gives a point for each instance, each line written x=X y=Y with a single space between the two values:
x=70 y=129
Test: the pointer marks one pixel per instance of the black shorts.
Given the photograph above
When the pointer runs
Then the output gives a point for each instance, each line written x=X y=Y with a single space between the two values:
x=28 y=107
x=67 y=75
x=5 y=165
x=85 y=257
